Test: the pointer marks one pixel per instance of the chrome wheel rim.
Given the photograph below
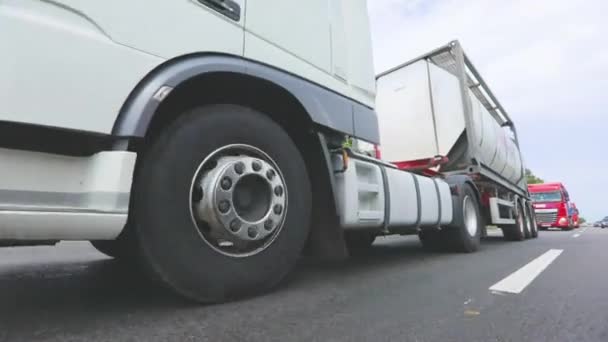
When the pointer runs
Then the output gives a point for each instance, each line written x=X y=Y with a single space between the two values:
x=238 y=200
x=470 y=216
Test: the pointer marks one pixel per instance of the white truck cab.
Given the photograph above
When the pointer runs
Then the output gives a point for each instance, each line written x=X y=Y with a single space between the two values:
x=82 y=70
x=211 y=141
x=113 y=112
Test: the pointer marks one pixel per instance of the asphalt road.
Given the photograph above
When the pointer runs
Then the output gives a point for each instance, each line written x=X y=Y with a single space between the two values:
x=396 y=292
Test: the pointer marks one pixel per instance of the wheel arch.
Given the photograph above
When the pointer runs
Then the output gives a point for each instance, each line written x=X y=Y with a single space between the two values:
x=303 y=109
x=324 y=107
x=456 y=182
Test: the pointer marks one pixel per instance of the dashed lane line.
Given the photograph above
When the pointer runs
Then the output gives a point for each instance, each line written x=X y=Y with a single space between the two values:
x=518 y=280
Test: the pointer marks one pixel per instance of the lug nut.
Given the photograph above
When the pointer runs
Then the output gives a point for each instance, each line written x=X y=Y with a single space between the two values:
x=197 y=193
x=224 y=206
x=268 y=224
x=252 y=232
x=226 y=183
x=256 y=166
x=278 y=190
x=270 y=174
x=278 y=209
x=235 y=225
x=239 y=168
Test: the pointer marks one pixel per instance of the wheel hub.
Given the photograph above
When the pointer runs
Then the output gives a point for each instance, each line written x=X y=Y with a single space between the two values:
x=243 y=202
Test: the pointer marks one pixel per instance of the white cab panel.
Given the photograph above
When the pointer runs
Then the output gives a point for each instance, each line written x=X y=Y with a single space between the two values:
x=73 y=63
x=301 y=28
x=45 y=196
x=38 y=225
x=59 y=69
x=324 y=41
x=405 y=114
x=264 y=51
x=339 y=43
x=359 y=46
x=32 y=180
x=164 y=28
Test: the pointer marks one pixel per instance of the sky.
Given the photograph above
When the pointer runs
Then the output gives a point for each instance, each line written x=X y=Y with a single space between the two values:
x=545 y=60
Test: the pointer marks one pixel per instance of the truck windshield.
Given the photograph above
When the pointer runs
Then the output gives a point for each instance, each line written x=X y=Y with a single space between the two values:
x=555 y=196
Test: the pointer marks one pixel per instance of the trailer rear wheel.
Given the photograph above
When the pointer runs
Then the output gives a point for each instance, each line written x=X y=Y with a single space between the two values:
x=464 y=233
x=531 y=220
x=517 y=231
x=222 y=202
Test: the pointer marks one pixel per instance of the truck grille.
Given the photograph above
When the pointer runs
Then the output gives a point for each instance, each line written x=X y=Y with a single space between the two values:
x=546 y=217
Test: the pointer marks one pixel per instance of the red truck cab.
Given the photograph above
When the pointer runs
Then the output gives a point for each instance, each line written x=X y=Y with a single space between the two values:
x=551 y=205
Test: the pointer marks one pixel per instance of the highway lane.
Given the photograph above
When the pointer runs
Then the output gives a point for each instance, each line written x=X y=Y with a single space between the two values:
x=395 y=292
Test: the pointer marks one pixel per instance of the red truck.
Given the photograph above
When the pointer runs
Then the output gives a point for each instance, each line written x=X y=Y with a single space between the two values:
x=551 y=204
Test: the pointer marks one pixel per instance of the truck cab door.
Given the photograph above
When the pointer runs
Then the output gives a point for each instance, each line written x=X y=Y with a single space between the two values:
x=289 y=34
x=73 y=63
x=327 y=42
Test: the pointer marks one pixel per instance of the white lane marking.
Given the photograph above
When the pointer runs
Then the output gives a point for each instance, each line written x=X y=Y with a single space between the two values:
x=518 y=280
x=576 y=235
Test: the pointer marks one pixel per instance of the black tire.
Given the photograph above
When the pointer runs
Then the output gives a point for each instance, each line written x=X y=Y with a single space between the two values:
x=358 y=242
x=457 y=236
x=532 y=226
x=432 y=240
x=110 y=248
x=517 y=231
x=122 y=248
x=171 y=244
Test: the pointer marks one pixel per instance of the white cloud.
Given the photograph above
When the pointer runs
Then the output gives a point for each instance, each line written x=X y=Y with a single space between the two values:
x=546 y=61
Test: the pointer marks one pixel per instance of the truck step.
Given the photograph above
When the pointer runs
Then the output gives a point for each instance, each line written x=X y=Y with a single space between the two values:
x=495 y=204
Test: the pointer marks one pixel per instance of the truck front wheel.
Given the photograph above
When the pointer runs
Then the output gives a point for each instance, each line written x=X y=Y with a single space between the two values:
x=222 y=204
